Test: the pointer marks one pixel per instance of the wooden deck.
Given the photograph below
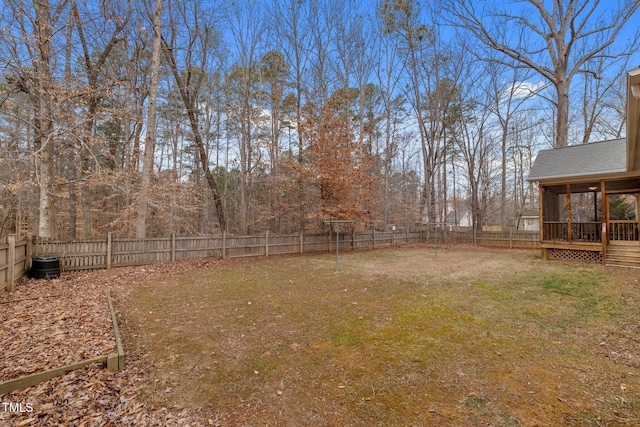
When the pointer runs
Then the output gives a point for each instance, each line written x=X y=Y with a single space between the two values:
x=577 y=245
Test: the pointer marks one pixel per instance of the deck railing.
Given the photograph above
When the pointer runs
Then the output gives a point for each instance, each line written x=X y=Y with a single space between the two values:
x=623 y=230
x=555 y=230
x=586 y=231
x=580 y=231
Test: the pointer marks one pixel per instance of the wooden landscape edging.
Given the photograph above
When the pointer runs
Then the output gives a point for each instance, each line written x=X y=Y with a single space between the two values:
x=116 y=360
x=38 y=377
x=113 y=361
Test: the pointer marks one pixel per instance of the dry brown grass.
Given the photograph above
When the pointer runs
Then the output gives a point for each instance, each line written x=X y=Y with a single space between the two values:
x=398 y=337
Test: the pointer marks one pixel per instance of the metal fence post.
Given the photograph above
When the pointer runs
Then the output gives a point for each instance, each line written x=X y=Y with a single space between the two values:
x=266 y=245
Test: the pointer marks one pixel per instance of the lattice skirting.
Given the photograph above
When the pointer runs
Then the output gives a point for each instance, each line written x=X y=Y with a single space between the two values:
x=574 y=255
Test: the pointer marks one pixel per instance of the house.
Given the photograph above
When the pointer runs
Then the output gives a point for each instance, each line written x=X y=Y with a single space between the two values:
x=459 y=219
x=588 y=195
x=529 y=220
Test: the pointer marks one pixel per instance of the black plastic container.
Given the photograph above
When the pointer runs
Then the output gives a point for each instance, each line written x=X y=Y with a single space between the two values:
x=45 y=267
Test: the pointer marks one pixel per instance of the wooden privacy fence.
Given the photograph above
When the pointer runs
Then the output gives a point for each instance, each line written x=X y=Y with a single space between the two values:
x=502 y=239
x=15 y=259
x=15 y=256
x=117 y=252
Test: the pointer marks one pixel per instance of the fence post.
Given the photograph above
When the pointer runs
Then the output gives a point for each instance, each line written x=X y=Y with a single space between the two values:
x=353 y=239
x=374 y=238
x=510 y=239
x=266 y=245
x=29 y=252
x=11 y=261
x=224 y=244
x=173 y=246
x=301 y=241
x=393 y=236
x=109 y=250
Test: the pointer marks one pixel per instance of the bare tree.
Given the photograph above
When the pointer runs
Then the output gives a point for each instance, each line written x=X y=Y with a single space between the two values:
x=288 y=19
x=274 y=72
x=37 y=80
x=558 y=43
x=192 y=30
x=387 y=63
x=94 y=59
x=402 y=20
x=509 y=93
x=477 y=145
x=612 y=124
x=600 y=85
x=150 y=141
x=247 y=30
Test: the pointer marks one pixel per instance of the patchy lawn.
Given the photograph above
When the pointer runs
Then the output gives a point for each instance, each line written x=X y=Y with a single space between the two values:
x=473 y=337
x=397 y=337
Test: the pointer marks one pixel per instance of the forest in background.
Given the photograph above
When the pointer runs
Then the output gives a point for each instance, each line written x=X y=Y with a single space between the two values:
x=193 y=117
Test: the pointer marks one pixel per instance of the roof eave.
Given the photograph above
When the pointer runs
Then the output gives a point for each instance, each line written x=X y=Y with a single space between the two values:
x=560 y=179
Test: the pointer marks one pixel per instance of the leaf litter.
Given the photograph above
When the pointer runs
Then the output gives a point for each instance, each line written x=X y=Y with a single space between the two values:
x=47 y=324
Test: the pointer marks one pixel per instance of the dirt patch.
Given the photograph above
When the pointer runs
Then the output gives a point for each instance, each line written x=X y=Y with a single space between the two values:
x=445 y=264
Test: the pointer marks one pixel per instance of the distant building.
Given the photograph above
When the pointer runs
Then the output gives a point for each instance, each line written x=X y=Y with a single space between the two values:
x=459 y=219
x=529 y=219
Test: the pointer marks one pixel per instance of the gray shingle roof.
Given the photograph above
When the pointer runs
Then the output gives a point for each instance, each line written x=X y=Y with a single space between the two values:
x=595 y=158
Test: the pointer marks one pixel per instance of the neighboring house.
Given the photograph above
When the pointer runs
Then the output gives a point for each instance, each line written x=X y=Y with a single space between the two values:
x=529 y=219
x=589 y=195
x=459 y=219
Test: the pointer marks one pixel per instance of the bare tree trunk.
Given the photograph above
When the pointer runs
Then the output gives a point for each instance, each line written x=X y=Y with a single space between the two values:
x=43 y=119
x=72 y=171
x=150 y=141
x=562 y=120
x=189 y=86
